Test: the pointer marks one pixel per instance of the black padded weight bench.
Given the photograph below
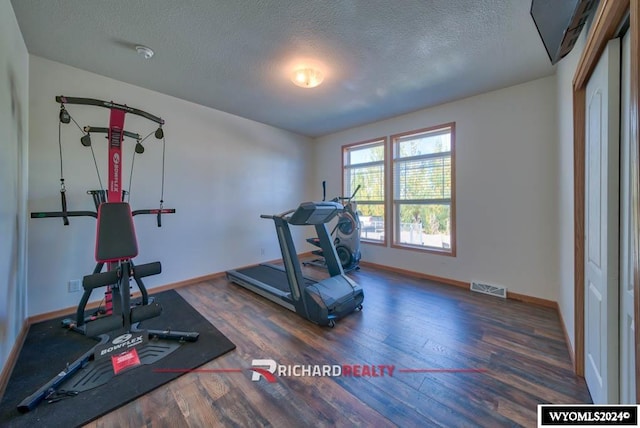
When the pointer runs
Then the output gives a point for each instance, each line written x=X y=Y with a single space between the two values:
x=121 y=344
x=116 y=245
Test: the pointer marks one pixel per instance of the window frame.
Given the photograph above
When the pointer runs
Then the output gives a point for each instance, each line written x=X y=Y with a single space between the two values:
x=383 y=141
x=395 y=203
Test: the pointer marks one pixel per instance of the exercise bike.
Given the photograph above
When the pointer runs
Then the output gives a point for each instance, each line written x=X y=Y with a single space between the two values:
x=346 y=234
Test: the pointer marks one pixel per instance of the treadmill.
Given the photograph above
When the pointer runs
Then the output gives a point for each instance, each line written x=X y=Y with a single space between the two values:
x=321 y=302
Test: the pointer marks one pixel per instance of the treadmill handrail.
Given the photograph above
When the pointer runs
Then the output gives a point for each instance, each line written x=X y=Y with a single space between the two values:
x=281 y=215
x=306 y=205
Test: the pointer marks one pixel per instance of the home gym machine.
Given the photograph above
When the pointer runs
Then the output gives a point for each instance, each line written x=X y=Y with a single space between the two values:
x=116 y=327
x=346 y=234
x=321 y=302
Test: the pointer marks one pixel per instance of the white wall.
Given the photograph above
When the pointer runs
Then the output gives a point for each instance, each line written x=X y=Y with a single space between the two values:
x=564 y=75
x=506 y=188
x=222 y=172
x=14 y=69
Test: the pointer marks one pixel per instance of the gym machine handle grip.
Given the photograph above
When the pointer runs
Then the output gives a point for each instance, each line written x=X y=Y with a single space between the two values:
x=63 y=197
x=187 y=336
x=156 y=211
x=34 y=399
x=64 y=214
x=94 y=214
x=90 y=129
x=110 y=105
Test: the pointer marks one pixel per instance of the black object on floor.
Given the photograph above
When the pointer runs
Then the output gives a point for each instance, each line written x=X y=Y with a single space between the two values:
x=49 y=347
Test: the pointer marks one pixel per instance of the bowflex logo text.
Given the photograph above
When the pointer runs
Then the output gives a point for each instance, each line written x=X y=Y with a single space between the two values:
x=115 y=164
x=270 y=370
x=120 y=344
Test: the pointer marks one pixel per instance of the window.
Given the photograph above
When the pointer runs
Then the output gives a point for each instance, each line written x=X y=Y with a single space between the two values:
x=364 y=166
x=410 y=179
x=423 y=189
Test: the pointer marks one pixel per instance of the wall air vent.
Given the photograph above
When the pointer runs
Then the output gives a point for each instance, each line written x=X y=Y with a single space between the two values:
x=493 y=290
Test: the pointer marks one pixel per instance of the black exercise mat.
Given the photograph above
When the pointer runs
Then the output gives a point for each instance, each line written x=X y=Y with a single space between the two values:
x=49 y=347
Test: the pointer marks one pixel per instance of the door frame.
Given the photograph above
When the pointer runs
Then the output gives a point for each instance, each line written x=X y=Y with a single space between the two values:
x=608 y=19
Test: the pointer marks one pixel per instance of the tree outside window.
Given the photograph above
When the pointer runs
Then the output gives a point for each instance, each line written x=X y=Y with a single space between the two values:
x=423 y=189
x=364 y=166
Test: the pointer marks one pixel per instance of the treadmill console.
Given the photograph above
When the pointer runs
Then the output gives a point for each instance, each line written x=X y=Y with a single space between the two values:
x=311 y=213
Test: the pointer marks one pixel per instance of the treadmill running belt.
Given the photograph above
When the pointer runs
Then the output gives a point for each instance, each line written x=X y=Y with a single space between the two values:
x=270 y=275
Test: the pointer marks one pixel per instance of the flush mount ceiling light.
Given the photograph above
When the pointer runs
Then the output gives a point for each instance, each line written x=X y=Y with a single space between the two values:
x=307 y=77
x=144 y=51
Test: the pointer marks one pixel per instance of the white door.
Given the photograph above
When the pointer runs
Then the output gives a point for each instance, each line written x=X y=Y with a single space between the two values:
x=601 y=227
x=627 y=356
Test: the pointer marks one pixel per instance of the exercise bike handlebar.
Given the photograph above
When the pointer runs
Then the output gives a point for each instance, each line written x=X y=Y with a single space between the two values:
x=348 y=198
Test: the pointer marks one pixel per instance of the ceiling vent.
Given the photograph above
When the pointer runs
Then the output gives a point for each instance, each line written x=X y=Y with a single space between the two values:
x=559 y=23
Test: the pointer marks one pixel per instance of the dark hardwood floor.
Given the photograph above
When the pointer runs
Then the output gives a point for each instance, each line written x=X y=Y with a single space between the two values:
x=460 y=359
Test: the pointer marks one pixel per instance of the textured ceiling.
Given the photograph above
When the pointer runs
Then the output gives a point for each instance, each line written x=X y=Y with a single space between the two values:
x=381 y=58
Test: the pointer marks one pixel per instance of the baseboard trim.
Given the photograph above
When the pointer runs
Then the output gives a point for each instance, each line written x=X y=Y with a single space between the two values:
x=187 y=282
x=13 y=357
x=94 y=305
x=510 y=295
x=415 y=274
x=533 y=300
x=572 y=354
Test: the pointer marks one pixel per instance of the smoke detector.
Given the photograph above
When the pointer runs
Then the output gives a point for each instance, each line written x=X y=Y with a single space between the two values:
x=144 y=51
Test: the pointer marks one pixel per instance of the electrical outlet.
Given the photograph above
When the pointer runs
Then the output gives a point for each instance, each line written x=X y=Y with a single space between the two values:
x=74 y=286
x=262 y=251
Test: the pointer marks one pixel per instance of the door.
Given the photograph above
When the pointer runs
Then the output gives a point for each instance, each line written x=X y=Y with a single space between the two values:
x=627 y=355
x=601 y=227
